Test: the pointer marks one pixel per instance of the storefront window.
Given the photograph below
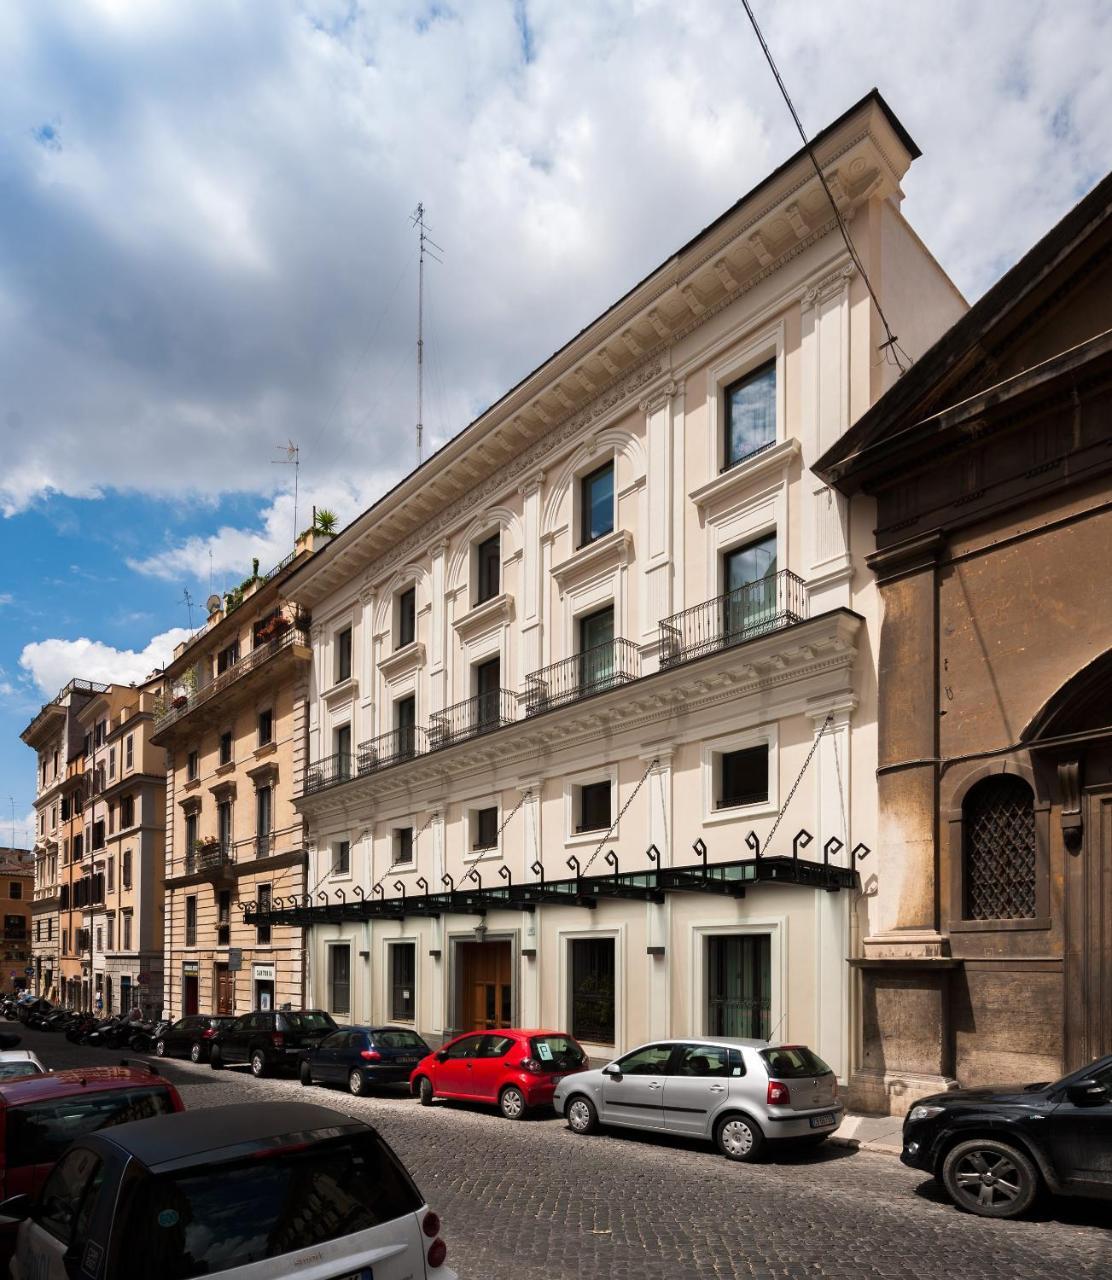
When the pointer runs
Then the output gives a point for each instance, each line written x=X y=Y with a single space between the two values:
x=592 y=990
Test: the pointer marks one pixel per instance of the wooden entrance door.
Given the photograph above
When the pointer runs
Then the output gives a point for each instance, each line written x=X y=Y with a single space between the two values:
x=224 y=985
x=1089 y=935
x=485 y=985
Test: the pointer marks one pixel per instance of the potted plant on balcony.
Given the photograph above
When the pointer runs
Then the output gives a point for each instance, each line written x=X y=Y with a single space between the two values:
x=179 y=700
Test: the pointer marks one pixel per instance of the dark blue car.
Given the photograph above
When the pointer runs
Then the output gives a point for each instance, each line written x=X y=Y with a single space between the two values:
x=362 y=1057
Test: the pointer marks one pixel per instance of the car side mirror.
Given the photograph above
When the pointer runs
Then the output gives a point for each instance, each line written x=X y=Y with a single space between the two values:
x=612 y=1070
x=442 y=1056
x=1083 y=1093
x=17 y=1207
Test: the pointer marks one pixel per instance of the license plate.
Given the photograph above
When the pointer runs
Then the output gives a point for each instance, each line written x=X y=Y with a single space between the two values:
x=365 y=1274
x=821 y=1122
x=406 y=1062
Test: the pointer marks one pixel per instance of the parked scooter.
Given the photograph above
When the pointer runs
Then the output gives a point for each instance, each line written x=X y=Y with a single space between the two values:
x=145 y=1034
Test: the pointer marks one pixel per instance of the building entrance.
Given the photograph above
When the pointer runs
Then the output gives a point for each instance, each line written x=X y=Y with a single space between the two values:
x=484 y=985
x=223 y=984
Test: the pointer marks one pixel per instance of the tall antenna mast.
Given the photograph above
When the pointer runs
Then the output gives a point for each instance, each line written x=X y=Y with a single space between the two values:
x=189 y=598
x=417 y=219
x=293 y=456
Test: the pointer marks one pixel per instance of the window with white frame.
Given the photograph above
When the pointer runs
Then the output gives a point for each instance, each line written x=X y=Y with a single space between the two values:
x=339 y=978
x=749 y=418
x=592 y=806
x=596 y=503
x=483 y=828
x=403 y=981
x=488 y=568
x=341 y=858
x=402 y=846
x=405 y=617
x=343 y=656
x=741 y=774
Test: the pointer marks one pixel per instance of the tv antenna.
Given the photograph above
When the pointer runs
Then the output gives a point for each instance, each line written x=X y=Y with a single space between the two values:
x=293 y=456
x=189 y=605
x=417 y=219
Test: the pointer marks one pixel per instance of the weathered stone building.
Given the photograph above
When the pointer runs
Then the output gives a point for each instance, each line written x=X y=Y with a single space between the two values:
x=988 y=952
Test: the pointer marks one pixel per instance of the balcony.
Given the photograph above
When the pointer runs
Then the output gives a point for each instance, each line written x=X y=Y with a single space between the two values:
x=209 y=858
x=390 y=748
x=745 y=613
x=473 y=716
x=182 y=704
x=327 y=772
x=595 y=670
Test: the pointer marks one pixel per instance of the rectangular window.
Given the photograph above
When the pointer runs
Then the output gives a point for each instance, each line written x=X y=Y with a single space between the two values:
x=111 y=926
x=405 y=725
x=266 y=727
x=100 y=730
x=339 y=979
x=127 y=931
x=341 y=858
x=78 y=847
x=262 y=931
x=264 y=800
x=111 y=818
x=98 y=834
x=129 y=751
x=592 y=990
x=403 y=980
x=341 y=751
x=191 y=921
x=65 y=808
x=224 y=827
x=594 y=807
x=15 y=889
x=53 y=816
x=190 y=833
x=739 y=985
x=125 y=868
x=88 y=744
x=343 y=655
x=485 y=829
x=407 y=617
x=127 y=812
x=596 y=504
x=227 y=657
x=65 y=942
x=743 y=777
x=111 y=762
x=750 y=414
x=403 y=844
x=193 y=766
x=596 y=649
x=223 y=917
x=226 y=748
x=50 y=928
x=749 y=580
x=111 y=875
x=488 y=566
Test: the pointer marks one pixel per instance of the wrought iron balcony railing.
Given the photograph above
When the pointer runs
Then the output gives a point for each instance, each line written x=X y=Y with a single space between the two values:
x=739 y=615
x=467 y=719
x=595 y=670
x=327 y=771
x=209 y=856
x=182 y=704
x=399 y=744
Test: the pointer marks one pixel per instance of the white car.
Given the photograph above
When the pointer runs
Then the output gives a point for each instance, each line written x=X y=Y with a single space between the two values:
x=251 y=1191
x=741 y=1094
x=20 y=1062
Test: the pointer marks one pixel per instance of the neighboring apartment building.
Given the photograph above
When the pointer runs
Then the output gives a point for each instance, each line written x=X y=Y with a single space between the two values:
x=987 y=952
x=232 y=723
x=17 y=883
x=57 y=738
x=120 y=888
x=617 y=617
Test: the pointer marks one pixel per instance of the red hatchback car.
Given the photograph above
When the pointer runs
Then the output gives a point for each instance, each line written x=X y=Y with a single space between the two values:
x=514 y=1069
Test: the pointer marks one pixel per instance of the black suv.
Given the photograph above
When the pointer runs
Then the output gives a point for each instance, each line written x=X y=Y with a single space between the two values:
x=191 y=1037
x=994 y=1149
x=271 y=1040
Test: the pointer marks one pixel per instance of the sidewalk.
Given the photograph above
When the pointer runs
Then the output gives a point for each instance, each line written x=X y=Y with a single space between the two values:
x=870 y=1133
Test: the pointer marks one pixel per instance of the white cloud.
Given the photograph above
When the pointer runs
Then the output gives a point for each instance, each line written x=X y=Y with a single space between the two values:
x=6 y=597
x=53 y=663
x=205 y=216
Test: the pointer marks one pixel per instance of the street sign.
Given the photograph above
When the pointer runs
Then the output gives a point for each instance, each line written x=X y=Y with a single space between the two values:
x=235 y=959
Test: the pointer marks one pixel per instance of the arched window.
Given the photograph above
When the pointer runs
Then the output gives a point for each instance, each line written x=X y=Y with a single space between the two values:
x=999 y=850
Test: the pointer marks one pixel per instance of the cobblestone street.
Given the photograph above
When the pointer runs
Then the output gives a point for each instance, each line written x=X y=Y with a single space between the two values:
x=531 y=1199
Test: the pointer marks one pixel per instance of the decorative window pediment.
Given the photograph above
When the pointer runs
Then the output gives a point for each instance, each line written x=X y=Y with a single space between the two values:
x=496 y=612
x=403 y=660
x=770 y=463
x=609 y=552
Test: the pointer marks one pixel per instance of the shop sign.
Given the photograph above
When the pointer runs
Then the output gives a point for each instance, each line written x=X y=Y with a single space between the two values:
x=264 y=973
x=191 y=966
x=235 y=959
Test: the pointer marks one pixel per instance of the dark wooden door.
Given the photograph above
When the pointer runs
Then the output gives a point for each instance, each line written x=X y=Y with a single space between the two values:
x=1089 y=935
x=225 y=989
x=486 y=987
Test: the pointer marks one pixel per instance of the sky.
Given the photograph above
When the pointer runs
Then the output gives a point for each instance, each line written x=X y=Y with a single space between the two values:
x=206 y=249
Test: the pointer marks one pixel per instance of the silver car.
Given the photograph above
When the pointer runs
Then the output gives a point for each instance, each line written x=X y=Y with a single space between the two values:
x=742 y=1094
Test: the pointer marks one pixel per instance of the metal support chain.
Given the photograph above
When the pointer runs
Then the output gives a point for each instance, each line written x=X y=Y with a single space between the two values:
x=621 y=813
x=795 y=785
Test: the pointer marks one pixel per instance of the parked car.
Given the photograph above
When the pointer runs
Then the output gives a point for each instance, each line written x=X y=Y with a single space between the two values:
x=994 y=1149
x=274 y=1188
x=191 y=1037
x=742 y=1094
x=20 y=1062
x=363 y=1057
x=270 y=1041
x=41 y=1115
x=514 y=1069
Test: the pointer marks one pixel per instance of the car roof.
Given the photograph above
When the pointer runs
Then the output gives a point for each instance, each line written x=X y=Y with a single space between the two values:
x=371 y=1029
x=187 y=1137
x=17 y=1055
x=59 y=1084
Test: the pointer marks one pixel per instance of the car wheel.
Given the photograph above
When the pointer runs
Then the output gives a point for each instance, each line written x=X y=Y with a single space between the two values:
x=196 y=1052
x=357 y=1082
x=215 y=1060
x=739 y=1138
x=511 y=1102
x=424 y=1091
x=304 y=1074
x=160 y=1048
x=259 y=1064
x=990 y=1178
x=581 y=1114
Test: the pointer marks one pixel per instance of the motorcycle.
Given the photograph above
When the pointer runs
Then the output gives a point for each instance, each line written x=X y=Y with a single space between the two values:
x=145 y=1034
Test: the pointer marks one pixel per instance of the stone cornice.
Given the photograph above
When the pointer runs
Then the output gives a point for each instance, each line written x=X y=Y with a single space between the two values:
x=495 y=612
x=403 y=660
x=609 y=552
x=773 y=460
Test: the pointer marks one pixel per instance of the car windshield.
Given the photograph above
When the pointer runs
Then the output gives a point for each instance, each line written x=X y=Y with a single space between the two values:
x=38 y=1132
x=398 y=1040
x=309 y=1022
x=557 y=1053
x=21 y=1068
x=792 y=1061
x=201 y=1221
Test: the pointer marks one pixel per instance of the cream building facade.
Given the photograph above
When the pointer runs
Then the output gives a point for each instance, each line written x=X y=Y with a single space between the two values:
x=580 y=681
x=232 y=724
